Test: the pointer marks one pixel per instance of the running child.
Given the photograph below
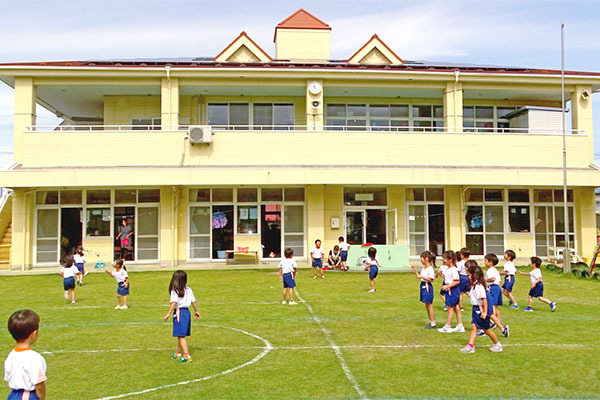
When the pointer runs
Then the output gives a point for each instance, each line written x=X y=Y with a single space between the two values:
x=427 y=276
x=25 y=369
x=450 y=288
x=480 y=316
x=464 y=286
x=69 y=272
x=287 y=275
x=79 y=259
x=509 y=273
x=442 y=273
x=492 y=279
x=372 y=265
x=119 y=272
x=316 y=256
x=344 y=247
x=182 y=297
x=537 y=286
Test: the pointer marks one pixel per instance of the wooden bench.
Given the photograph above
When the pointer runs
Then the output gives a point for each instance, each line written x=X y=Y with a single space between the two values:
x=235 y=252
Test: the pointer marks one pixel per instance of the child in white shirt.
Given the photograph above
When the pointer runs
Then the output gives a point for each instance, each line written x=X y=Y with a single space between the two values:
x=120 y=274
x=492 y=279
x=510 y=270
x=69 y=272
x=451 y=293
x=25 y=369
x=181 y=297
x=79 y=259
x=537 y=287
x=287 y=275
x=372 y=265
x=316 y=255
x=344 y=248
x=480 y=316
x=427 y=276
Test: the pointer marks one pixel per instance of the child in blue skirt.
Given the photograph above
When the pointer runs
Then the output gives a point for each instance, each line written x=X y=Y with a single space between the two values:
x=482 y=308
x=372 y=265
x=182 y=297
x=69 y=272
x=120 y=274
x=427 y=276
x=287 y=273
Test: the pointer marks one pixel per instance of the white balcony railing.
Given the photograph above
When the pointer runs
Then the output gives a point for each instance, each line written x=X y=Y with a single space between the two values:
x=303 y=128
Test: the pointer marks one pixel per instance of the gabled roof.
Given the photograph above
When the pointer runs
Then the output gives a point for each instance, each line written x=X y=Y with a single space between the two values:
x=377 y=49
x=243 y=45
x=301 y=19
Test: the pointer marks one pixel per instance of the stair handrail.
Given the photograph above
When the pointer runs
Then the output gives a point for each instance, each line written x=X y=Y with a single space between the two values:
x=4 y=195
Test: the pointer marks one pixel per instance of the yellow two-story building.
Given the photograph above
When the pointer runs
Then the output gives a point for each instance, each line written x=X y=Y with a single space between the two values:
x=268 y=151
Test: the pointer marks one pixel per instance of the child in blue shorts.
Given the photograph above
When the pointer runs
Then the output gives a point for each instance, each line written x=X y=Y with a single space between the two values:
x=427 y=276
x=465 y=286
x=372 y=265
x=482 y=309
x=492 y=279
x=287 y=275
x=344 y=247
x=316 y=256
x=509 y=273
x=181 y=297
x=537 y=287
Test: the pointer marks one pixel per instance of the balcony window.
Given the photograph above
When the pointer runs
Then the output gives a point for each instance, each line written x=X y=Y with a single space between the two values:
x=383 y=117
x=144 y=124
x=229 y=115
x=273 y=116
x=485 y=118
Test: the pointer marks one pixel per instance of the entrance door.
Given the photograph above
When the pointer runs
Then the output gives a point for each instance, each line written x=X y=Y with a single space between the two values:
x=271 y=230
x=355 y=227
x=222 y=230
x=437 y=233
x=120 y=251
x=376 y=227
x=70 y=229
x=47 y=242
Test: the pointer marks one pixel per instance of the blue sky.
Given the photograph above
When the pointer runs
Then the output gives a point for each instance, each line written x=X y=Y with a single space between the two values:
x=509 y=32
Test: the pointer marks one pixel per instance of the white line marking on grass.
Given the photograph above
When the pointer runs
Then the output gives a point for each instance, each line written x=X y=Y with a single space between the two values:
x=336 y=348
x=358 y=346
x=266 y=350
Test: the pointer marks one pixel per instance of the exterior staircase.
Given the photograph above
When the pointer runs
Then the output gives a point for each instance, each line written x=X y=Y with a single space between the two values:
x=5 y=245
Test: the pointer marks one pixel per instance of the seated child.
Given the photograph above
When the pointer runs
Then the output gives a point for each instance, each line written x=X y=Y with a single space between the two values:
x=334 y=260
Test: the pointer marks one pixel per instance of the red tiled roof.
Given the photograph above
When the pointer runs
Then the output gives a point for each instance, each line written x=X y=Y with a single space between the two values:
x=375 y=37
x=251 y=41
x=301 y=19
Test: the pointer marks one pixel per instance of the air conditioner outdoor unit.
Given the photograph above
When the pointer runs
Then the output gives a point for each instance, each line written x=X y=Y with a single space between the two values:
x=200 y=134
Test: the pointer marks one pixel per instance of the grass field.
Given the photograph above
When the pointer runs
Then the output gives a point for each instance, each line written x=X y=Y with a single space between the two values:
x=341 y=342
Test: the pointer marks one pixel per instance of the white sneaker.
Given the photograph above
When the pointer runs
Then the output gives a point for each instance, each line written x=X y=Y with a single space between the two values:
x=292 y=303
x=124 y=307
x=283 y=301
x=372 y=291
x=445 y=329
x=497 y=348
x=72 y=301
x=459 y=328
x=314 y=277
x=86 y=272
x=117 y=307
x=467 y=349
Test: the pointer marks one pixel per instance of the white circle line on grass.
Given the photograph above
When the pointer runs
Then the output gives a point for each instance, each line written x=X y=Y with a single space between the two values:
x=266 y=349
x=358 y=346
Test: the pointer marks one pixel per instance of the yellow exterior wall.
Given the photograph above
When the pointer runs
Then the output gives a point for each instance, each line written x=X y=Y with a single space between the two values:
x=102 y=245
x=120 y=110
x=333 y=197
x=169 y=103
x=166 y=225
x=315 y=116
x=453 y=106
x=521 y=243
x=582 y=116
x=22 y=229
x=585 y=222
x=183 y=225
x=396 y=199
x=455 y=235
x=302 y=44
x=315 y=203
x=25 y=105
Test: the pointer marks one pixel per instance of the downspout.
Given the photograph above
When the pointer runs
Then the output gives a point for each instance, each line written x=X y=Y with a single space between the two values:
x=174 y=191
x=456 y=75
